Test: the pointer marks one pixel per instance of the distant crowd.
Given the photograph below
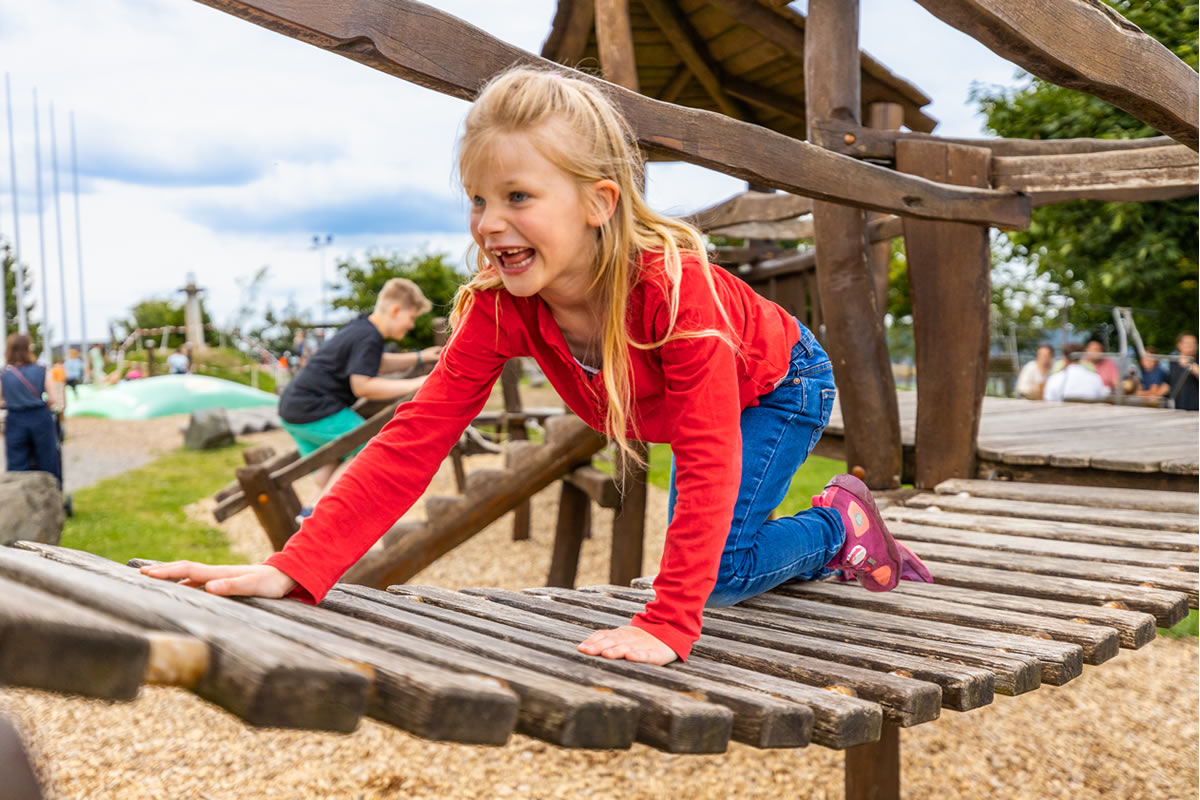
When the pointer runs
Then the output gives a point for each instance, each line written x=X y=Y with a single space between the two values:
x=1084 y=372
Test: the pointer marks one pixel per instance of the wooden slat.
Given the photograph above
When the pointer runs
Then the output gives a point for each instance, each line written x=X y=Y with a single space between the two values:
x=615 y=41
x=800 y=228
x=839 y=721
x=1042 y=565
x=1185 y=523
x=404 y=38
x=667 y=720
x=1047 y=529
x=963 y=687
x=904 y=701
x=1099 y=644
x=1151 y=173
x=1090 y=47
x=1135 y=628
x=758 y=719
x=1014 y=673
x=1168 y=607
x=1156 y=560
x=752 y=206
x=693 y=51
x=264 y=679
x=1140 y=499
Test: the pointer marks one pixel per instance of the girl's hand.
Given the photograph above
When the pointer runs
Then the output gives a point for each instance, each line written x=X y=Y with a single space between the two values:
x=251 y=580
x=629 y=643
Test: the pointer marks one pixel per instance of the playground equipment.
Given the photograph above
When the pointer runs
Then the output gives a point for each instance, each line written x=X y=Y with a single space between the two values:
x=163 y=395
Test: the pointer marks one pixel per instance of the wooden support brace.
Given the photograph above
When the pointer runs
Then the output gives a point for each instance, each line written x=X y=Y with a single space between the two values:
x=629 y=525
x=950 y=283
x=614 y=37
x=888 y=116
x=275 y=507
x=873 y=770
x=510 y=383
x=574 y=509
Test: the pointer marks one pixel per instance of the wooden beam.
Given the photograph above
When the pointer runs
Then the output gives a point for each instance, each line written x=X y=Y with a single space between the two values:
x=569 y=32
x=614 y=37
x=798 y=228
x=873 y=770
x=1152 y=173
x=884 y=116
x=751 y=207
x=880 y=230
x=851 y=139
x=949 y=275
x=766 y=99
x=855 y=337
x=675 y=86
x=693 y=51
x=1086 y=45
x=408 y=39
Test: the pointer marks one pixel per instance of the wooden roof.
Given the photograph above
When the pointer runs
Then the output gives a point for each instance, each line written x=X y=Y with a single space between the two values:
x=753 y=50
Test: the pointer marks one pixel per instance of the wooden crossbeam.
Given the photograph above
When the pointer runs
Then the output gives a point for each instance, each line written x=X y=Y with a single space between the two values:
x=798 y=228
x=693 y=52
x=1152 y=173
x=409 y=39
x=1085 y=45
x=614 y=38
x=569 y=32
x=751 y=207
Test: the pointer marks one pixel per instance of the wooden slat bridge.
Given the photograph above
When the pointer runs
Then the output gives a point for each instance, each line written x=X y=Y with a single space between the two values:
x=1023 y=599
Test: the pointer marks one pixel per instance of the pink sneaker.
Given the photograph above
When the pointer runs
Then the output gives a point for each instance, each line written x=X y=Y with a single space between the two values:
x=912 y=569
x=869 y=553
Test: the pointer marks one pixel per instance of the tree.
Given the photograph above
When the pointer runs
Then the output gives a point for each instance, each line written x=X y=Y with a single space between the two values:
x=10 y=299
x=1099 y=255
x=361 y=284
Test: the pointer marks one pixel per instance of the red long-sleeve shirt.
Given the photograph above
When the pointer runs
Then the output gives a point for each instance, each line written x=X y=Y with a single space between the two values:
x=689 y=393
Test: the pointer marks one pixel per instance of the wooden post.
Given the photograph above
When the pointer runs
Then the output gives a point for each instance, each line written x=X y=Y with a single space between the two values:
x=510 y=380
x=873 y=770
x=275 y=508
x=149 y=358
x=629 y=525
x=855 y=338
x=19 y=779
x=574 y=509
x=614 y=38
x=885 y=116
x=950 y=284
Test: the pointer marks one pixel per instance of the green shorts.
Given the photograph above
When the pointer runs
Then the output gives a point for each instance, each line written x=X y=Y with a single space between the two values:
x=311 y=435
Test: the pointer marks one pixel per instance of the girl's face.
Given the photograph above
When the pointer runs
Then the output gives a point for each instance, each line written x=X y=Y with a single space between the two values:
x=534 y=222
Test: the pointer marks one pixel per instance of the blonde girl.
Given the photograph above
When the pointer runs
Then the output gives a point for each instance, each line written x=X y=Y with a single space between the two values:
x=644 y=341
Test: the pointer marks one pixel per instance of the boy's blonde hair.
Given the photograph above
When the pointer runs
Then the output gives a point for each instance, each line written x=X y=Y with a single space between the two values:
x=402 y=292
x=579 y=130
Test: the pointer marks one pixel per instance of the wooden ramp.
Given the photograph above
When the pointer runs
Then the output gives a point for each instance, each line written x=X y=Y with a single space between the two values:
x=1023 y=599
x=1091 y=444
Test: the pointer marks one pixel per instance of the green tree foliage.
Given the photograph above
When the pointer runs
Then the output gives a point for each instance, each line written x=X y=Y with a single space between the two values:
x=360 y=285
x=160 y=313
x=1101 y=254
x=10 y=299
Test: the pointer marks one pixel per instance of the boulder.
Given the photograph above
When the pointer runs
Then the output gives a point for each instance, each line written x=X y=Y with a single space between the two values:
x=33 y=507
x=207 y=429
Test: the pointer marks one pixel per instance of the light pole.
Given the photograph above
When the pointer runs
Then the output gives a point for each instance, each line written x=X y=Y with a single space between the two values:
x=319 y=245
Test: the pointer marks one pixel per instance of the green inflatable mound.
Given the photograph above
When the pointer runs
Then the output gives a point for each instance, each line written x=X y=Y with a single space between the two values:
x=164 y=395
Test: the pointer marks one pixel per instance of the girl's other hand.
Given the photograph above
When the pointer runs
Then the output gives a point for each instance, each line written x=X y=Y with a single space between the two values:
x=629 y=643
x=249 y=580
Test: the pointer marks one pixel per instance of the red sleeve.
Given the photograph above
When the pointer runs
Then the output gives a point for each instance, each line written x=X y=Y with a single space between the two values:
x=702 y=396
x=396 y=466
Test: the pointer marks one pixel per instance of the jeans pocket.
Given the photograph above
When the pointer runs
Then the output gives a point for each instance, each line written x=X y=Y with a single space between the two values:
x=828 y=394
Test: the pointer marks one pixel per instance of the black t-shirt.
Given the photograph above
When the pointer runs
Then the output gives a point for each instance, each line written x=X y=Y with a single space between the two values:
x=1187 y=395
x=322 y=388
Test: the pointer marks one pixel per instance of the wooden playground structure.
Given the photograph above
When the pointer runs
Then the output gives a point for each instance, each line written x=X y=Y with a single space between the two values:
x=1032 y=583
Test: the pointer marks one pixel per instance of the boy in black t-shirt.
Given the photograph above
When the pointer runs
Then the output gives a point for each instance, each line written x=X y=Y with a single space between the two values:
x=315 y=406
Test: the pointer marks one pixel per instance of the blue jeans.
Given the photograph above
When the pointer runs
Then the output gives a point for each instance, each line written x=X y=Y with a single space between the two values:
x=31 y=442
x=777 y=436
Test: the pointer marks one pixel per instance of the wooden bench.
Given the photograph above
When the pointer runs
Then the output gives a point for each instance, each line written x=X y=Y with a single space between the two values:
x=1022 y=600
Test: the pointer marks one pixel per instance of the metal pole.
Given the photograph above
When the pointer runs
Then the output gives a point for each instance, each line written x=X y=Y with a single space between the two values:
x=47 y=351
x=78 y=242
x=19 y=292
x=62 y=269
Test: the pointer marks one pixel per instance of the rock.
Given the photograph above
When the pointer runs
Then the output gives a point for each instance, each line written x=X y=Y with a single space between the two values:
x=207 y=429
x=33 y=508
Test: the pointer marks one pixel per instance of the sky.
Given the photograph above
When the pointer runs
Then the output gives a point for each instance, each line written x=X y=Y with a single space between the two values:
x=207 y=145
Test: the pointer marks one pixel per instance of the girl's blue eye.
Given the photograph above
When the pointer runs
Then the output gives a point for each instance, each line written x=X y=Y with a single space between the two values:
x=517 y=197
x=477 y=201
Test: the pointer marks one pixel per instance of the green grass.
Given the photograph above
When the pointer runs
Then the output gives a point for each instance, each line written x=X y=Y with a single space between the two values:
x=140 y=513
x=1189 y=627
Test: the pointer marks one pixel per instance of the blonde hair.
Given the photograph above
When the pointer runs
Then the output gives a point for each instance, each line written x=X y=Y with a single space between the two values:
x=579 y=130
x=403 y=292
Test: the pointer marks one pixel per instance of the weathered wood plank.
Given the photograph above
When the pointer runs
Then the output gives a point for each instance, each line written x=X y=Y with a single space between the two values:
x=390 y=37
x=1117 y=517
x=1059 y=661
x=264 y=679
x=615 y=41
x=1135 y=628
x=751 y=206
x=667 y=720
x=629 y=522
x=1090 y=47
x=1014 y=673
x=963 y=687
x=1157 y=560
x=904 y=701
x=758 y=720
x=1024 y=564
x=1168 y=607
x=801 y=228
x=1141 y=500
x=1099 y=644
x=873 y=771
x=1047 y=529
x=569 y=32
x=693 y=51
x=949 y=277
x=574 y=512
